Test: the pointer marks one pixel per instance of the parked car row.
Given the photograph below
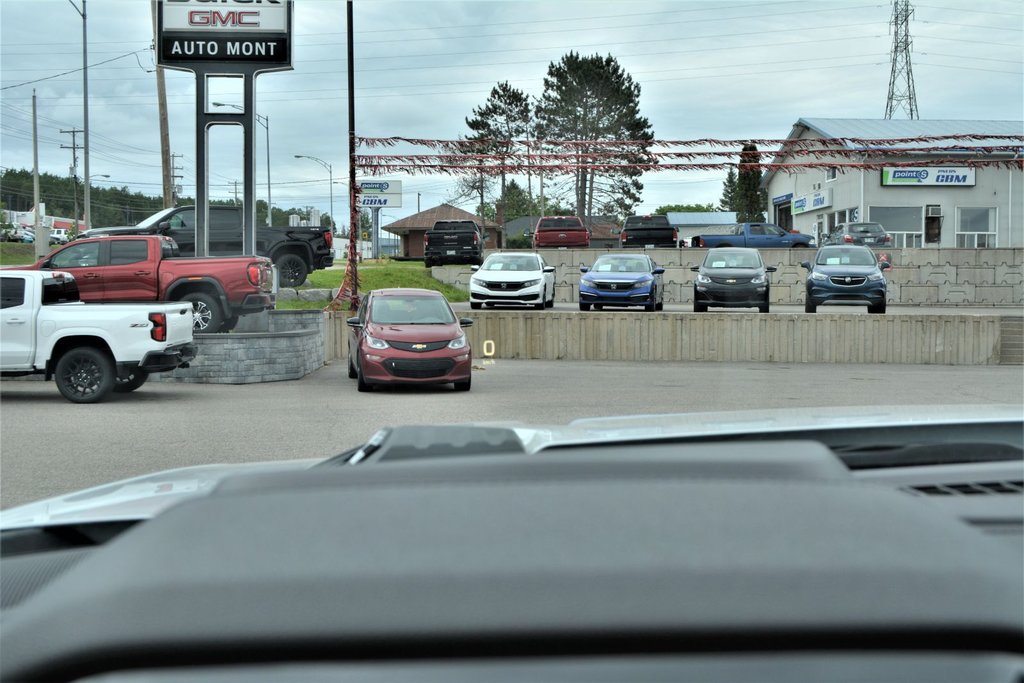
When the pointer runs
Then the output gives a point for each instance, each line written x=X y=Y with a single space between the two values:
x=728 y=277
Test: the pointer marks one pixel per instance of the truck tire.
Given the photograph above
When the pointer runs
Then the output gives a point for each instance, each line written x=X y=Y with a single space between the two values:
x=291 y=269
x=133 y=382
x=207 y=317
x=799 y=245
x=85 y=374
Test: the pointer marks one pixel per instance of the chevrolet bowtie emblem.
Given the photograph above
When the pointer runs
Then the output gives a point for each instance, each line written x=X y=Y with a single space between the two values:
x=419 y=346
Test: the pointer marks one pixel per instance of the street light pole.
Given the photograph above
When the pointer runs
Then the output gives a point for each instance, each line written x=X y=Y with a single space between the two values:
x=85 y=105
x=330 y=174
x=265 y=122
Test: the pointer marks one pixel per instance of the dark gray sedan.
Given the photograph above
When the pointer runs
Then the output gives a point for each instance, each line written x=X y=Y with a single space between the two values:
x=732 y=278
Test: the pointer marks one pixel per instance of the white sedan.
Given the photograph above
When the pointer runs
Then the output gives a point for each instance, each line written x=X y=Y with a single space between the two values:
x=513 y=278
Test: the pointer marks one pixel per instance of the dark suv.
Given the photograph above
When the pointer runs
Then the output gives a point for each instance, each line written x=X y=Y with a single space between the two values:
x=865 y=234
x=453 y=242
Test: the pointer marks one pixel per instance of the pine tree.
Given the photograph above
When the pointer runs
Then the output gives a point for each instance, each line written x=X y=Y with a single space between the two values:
x=594 y=99
x=750 y=199
x=728 y=201
x=503 y=118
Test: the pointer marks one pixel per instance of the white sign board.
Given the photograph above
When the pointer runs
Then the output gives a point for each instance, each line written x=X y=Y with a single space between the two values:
x=812 y=202
x=380 y=194
x=960 y=176
x=195 y=16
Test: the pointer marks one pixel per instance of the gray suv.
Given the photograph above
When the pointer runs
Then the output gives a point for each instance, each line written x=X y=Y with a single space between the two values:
x=864 y=234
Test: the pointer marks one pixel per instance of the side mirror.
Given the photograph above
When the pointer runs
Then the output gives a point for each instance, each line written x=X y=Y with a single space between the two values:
x=584 y=269
x=884 y=265
x=474 y=268
x=549 y=269
x=806 y=265
x=465 y=322
x=163 y=226
x=45 y=264
x=658 y=271
x=353 y=322
x=770 y=269
x=695 y=269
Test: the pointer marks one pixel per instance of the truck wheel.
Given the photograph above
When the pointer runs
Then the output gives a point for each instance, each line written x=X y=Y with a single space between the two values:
x=292 y=270
x=206 y=314
x=134 y=381
x=85 y=375
x=799 y=245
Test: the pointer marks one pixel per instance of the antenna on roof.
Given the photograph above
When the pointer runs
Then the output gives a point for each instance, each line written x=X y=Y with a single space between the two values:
x=901 y=78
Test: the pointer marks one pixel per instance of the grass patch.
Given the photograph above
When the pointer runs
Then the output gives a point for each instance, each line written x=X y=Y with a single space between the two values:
x=387 y=274
x=17 y=254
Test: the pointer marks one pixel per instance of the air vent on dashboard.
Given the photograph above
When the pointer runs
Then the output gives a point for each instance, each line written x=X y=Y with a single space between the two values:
x=968 y=489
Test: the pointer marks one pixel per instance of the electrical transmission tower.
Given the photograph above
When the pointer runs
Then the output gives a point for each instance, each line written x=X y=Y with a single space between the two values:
x=901 y=79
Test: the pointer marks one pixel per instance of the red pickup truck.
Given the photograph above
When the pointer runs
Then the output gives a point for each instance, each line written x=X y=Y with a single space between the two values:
x=560 y=231
x=147 y=268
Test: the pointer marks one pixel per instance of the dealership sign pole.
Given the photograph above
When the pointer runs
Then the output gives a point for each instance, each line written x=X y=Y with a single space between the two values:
x=232 y=39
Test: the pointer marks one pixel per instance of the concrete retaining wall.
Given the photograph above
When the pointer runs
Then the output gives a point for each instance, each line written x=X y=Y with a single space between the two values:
x=955 y=277
x=291 y=347
x=784 y=338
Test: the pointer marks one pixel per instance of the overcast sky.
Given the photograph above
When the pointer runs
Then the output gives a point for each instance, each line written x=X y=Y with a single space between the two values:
x=725 y=69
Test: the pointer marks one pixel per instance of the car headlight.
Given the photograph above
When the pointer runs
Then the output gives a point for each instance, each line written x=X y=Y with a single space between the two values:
x=375 y=343
x=587 y=281
x=759 y=279
x=641 y=284
x=875 y=277
x=703 y=279
x=818 y=276
x=458 y=343
x=530 y=283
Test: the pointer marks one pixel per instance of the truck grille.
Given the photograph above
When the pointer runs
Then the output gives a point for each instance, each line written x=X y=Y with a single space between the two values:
x=419 y=369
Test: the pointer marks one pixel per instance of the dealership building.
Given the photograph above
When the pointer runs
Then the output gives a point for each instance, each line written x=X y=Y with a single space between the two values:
x=952 y=206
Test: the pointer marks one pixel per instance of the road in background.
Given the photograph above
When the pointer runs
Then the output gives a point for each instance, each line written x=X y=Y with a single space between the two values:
x=49 y=446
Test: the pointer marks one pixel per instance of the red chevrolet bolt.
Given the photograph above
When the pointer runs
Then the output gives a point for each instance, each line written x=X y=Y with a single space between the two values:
x=408 y=336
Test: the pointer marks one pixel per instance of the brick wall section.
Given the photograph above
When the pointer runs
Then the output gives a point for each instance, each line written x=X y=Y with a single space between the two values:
x=950 y=277
x=291 y=348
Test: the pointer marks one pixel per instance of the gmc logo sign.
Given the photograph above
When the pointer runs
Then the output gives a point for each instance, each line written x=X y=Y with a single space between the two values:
x=203 y=17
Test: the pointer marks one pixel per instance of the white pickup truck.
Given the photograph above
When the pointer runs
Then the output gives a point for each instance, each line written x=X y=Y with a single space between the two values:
x=89 y=349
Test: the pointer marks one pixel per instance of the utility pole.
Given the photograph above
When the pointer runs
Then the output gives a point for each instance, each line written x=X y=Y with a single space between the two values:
x=901 y=77
x=236 y=193
x=417 y=202
x=74 y=147
x=42 y=242
x=85 y=105
x=166 y=164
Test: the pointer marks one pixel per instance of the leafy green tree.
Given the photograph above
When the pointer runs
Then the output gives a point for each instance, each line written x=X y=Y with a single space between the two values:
x=728 y=201
x=594 y=99
x=686 y=208
x=750 y=199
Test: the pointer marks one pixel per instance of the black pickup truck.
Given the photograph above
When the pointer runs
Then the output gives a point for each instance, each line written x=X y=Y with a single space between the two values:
x=648 y=231
x=453 y=242
x=295 y=251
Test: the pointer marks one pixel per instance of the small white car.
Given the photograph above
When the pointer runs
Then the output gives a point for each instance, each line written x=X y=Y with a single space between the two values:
x=518 y=278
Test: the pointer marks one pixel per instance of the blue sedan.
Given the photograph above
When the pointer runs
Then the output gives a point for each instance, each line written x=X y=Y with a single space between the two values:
x=622 y=280
x=845 y=275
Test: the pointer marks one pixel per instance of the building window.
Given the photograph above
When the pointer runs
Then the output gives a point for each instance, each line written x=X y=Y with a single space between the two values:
x=831 y=173
x=904 y=223
x=975 y=227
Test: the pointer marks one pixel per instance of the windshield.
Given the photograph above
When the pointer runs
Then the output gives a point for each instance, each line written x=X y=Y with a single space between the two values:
x=512 y=262
x=411 y=310
x=559 y=224
x=867 y=228
x=620 y=264
x=155 y=219
x=731 y=259
x=845 y=257
x=647 y=222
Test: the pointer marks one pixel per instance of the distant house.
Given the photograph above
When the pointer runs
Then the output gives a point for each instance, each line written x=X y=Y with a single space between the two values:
x=689 y=224
x=411 y=228
x=603 y=229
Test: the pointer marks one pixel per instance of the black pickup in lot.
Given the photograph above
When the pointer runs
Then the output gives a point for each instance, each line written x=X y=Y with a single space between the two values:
x=453 y=242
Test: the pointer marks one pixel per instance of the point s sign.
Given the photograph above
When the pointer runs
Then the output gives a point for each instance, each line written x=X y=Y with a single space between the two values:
x=960 y=176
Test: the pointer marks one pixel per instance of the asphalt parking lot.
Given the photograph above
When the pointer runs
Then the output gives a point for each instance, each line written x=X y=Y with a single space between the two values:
x=49 y=446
